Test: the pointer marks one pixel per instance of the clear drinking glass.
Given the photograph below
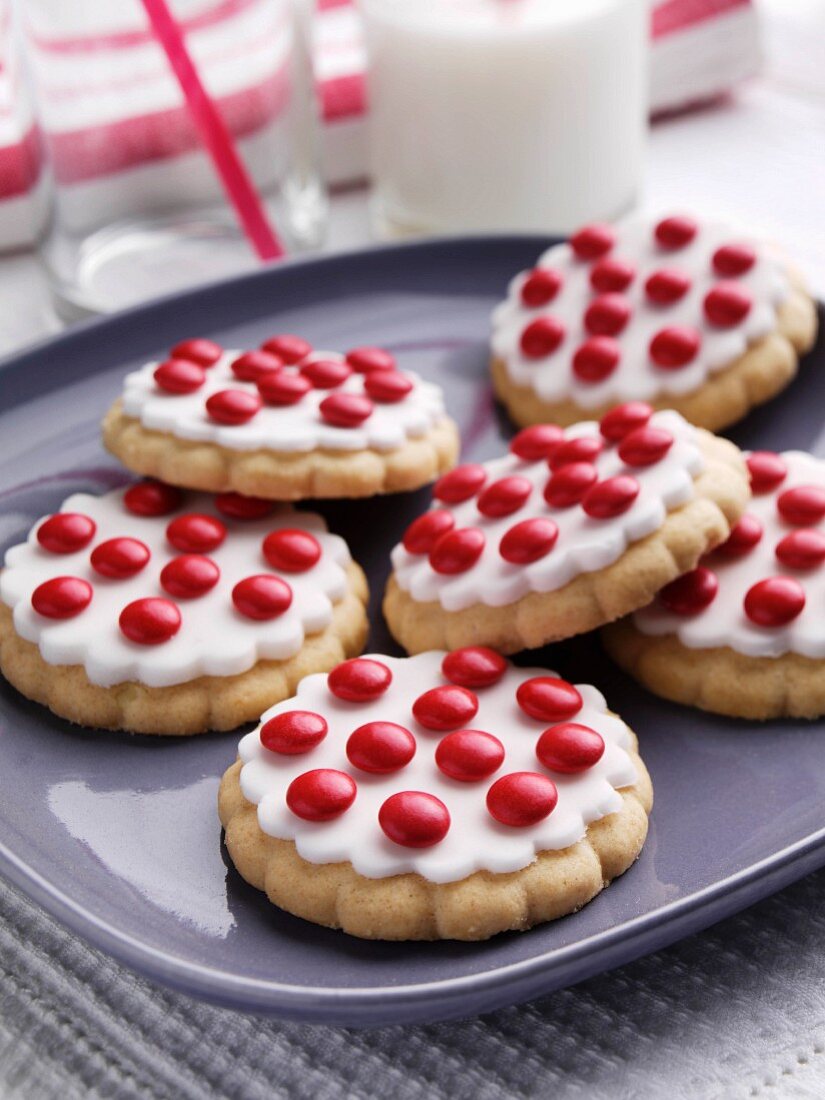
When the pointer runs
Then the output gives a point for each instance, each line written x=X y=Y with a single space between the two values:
x=138 y=209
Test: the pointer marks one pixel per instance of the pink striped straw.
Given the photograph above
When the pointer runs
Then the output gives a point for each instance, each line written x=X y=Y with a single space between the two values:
x=236 y=181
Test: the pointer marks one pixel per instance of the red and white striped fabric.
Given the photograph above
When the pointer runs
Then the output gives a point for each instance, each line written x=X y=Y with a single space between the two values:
x=700 y=48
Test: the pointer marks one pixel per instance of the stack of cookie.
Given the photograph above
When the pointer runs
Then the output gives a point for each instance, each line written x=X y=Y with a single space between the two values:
x=448 y=794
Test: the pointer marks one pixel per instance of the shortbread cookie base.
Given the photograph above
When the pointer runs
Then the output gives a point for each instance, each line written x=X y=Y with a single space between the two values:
x=410 y=907
x=720 y=679
x=208 y=703
x=591 y=599
x=278 y=475
x=724 y=398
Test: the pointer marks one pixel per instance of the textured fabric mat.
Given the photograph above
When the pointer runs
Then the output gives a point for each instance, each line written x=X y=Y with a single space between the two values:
x=738 y=1011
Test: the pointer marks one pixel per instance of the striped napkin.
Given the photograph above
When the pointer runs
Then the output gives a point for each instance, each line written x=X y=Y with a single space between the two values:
x=700 y=48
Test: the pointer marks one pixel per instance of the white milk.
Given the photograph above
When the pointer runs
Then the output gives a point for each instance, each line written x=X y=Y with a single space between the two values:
x=505 y=114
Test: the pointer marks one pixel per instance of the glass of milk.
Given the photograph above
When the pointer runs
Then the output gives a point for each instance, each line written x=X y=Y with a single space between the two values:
x=505 y=114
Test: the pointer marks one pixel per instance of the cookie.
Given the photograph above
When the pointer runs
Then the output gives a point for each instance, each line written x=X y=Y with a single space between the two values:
x=443 y=796
x=157 y=611
x=283 y=422
x=567 y=532
x=679 y=313
x=743 y=634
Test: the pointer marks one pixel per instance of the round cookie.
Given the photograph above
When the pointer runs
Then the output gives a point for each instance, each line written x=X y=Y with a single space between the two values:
x=744 y=634
x=283 y=422
x=567 y=532
x=443 y=796
x=682 y=314
x=157 y=611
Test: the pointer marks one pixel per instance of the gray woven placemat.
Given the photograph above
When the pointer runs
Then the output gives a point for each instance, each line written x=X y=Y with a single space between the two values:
x=737 y=1011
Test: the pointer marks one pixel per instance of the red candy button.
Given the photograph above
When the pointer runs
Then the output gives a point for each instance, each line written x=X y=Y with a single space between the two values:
x=727 y=304
x=237 y=506
x=596 y=359
x=802 y=549
x=645 y=446
x=667 y=286
x=293 y=732
x=733 y=259
x=321 y=795
x=445 y=708
x=592 y=241
x=288 y=348
x=195 y=533
x=150 y=621
x=469 y=755
x=414 y=819
x=803 y=505
x=766 y=469
x=611 y=275
x=538 y=442
x=568 y=485
x=775 y=601
x=570 y=748
x=541 y=286
x=522 y=799
x=119 y=558
x=541 y=337
x=345 y=410
x=282 y=387
x=607 y=315
x=584 y=448
x=611 y=497
x=474 y=666
x=66 y=532
x=189 y=576
x=61 y=597
x=460 y=484
x=424 y=532
x=674 y=347
x=359 y=680
x=675 y=232
x=292 y=550
x=387 y=386
x=691 y=593
x=262 y=597
x=505 y=496
x=179 y=376
x=365 y=360
x=624 y=419
x=528 y=541
x=198 y=350
x=744 y=536
x=549 y=699
x=380 y=747
x=250 y=366
x=233 y=406
x=457 y=551
x=152 y=498
x=326 y=374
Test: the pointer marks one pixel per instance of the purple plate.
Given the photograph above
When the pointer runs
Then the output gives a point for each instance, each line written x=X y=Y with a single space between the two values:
x=118 y=837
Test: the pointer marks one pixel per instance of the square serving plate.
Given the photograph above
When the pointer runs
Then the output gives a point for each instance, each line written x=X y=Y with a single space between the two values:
x=118 y=836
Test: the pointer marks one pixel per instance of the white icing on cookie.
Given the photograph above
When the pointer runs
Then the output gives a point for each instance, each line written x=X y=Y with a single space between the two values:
x=285 y=428
x=214 y=638
x=724 y=622
x=475 y=840
x=584 y=544
x=637 y=376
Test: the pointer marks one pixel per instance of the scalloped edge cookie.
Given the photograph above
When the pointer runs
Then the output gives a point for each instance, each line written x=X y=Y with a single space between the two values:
x=761 y=373
x=591 y=599
x=208 y=703
x=408 y=906
x=719 y=679
x=278 y=475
